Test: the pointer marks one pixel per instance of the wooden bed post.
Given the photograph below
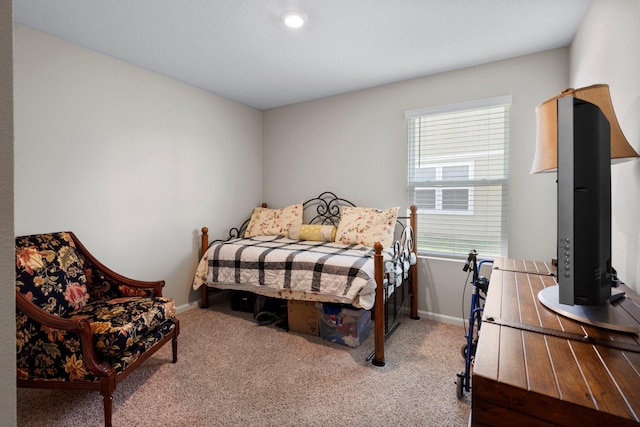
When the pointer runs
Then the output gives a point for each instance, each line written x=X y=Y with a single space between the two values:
x=204 y=291
x=379 y=332
x=414 y=271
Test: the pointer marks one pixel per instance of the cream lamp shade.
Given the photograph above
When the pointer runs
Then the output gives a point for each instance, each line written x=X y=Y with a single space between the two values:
x=546 y=158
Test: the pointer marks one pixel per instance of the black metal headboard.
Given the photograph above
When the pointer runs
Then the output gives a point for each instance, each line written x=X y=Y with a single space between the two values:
x=324 y=209
x=327 y=209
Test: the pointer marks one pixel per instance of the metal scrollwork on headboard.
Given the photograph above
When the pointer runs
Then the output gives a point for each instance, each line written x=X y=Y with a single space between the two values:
x=327 y=208
x=324 y=210
x=327 y=211
x=235 y=233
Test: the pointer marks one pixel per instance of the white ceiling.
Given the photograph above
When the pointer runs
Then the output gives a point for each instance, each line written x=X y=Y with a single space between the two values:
x=241 y=50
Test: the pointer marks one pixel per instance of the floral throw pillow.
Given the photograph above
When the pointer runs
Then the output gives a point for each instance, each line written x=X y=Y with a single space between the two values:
x=273 y=222
x=366 y=226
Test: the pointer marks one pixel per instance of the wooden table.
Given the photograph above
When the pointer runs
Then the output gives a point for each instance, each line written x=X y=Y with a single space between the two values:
x=525 y=375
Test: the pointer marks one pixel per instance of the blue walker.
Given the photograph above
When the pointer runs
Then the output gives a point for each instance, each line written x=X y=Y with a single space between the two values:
x=480 y=285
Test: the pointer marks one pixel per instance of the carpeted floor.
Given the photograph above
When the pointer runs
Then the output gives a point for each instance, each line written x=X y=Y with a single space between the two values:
x=232 y=372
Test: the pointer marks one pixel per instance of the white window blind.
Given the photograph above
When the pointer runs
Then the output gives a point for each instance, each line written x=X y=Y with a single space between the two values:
x=458 y=174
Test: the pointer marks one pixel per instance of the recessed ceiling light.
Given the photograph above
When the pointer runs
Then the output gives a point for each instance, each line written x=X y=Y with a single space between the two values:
x=293 y=19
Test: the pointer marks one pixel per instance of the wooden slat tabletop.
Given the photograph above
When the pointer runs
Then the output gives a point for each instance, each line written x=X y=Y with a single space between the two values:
x=531 y=377
x=525 y=266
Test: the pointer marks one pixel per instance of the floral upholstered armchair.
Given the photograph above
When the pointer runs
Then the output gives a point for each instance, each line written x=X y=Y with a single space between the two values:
x=79 y=324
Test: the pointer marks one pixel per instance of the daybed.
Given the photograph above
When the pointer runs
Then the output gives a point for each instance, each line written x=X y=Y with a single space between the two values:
x=325 y=249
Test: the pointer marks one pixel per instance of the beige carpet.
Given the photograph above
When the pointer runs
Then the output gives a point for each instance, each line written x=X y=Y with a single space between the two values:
x=232 y=372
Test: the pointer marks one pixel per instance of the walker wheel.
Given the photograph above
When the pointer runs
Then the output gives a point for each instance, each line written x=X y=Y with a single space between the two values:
x=460 y=385
x=464 y=348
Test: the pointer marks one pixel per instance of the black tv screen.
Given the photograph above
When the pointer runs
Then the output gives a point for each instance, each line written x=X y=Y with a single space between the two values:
x=584 y=203
x=584 y=220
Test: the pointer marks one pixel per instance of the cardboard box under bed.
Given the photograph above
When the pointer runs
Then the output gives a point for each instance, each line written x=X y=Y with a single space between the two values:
x=302 y=317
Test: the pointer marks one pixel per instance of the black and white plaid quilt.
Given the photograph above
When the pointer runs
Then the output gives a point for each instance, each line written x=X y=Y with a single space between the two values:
x=293 y=269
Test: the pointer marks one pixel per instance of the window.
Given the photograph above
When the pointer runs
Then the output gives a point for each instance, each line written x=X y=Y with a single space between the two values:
x=458 y=175
x=445 y=200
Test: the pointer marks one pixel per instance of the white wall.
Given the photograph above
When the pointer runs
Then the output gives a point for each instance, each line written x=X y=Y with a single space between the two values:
x=356 y=145
x=606 y=50
x=133 y=162
x=7 y=244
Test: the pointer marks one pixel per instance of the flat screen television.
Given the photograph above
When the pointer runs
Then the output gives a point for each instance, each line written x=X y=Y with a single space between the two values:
x=584 y=218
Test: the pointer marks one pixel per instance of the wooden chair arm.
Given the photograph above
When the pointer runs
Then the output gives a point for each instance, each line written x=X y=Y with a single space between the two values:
x=139 y=284
x=78 y=324
x=73 y=323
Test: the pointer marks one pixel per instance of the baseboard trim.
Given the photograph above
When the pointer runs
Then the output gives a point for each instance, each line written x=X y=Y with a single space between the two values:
x=186 y=307
x=440 y=318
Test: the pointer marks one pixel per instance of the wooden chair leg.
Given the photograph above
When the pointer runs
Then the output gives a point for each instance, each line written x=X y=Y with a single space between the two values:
x=107 y=387
x=108 y=409
x=174 y=346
